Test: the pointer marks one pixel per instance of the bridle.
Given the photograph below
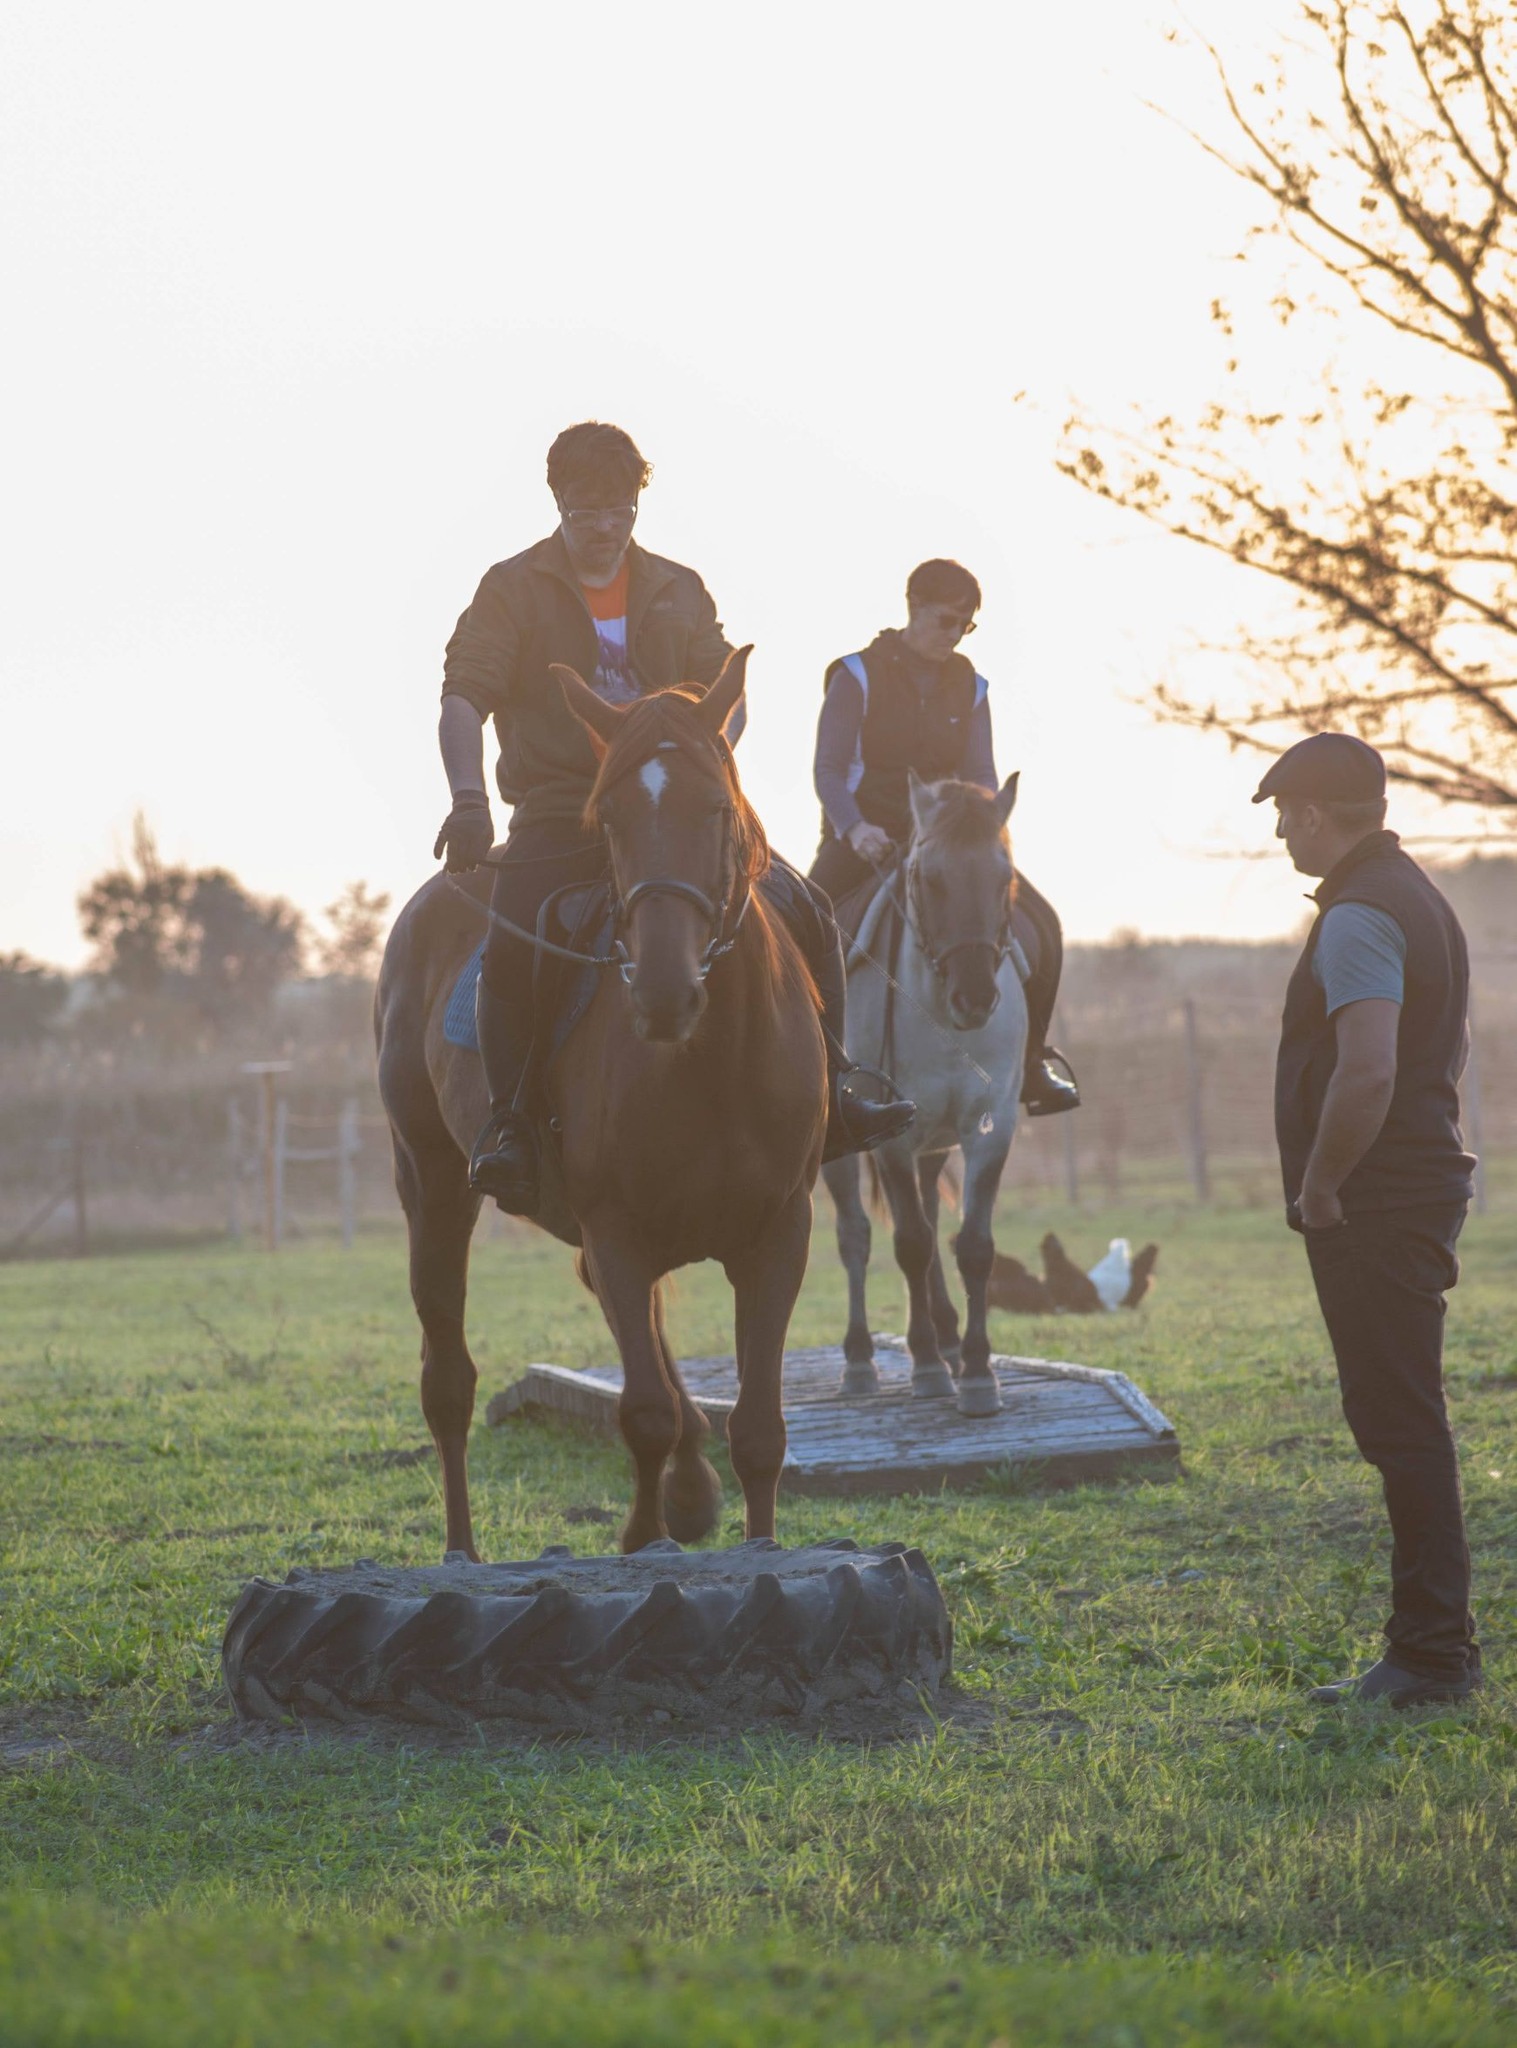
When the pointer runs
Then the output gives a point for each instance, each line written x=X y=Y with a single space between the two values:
x=724 y=922
x=938 y=957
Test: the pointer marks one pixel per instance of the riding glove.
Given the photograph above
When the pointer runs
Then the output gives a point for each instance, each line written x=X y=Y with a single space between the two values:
x=467 y=833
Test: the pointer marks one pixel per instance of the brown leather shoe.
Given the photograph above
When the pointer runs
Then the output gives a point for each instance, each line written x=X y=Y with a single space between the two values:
x=1392 y=1685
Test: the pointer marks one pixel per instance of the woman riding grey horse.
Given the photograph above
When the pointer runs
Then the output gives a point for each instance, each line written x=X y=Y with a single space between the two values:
x=910 y=703
x=948 y=1013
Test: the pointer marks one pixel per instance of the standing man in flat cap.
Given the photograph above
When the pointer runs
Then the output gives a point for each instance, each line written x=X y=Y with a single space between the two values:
x=1373 y=1041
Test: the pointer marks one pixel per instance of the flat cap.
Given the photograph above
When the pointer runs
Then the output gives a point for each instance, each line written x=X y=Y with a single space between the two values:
x=1334 y=767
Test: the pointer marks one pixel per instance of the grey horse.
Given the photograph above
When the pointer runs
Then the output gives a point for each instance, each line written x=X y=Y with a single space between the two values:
x=953 y=1033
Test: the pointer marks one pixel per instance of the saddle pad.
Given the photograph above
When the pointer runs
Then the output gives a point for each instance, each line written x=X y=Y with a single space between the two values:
x=458 y=1025
x=589 y=929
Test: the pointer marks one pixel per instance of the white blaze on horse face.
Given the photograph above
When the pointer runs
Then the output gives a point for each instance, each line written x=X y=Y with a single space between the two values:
x=654 y=777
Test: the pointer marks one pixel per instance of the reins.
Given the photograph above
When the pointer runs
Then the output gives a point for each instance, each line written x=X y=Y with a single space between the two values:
x=535 y=939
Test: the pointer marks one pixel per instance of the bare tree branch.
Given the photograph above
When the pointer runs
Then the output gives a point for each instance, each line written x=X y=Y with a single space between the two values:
x=1388 y=511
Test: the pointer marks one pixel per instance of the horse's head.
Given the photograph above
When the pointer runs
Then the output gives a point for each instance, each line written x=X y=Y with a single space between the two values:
x=685 y=846
x=959 y=884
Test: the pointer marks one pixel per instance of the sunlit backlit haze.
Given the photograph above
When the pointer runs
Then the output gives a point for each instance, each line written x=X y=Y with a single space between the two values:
x=299 y=296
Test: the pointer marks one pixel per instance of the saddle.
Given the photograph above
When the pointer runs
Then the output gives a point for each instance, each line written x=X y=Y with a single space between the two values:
x=580 y=917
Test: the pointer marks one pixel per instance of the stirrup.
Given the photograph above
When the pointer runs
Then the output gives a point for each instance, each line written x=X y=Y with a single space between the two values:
x=504 y=1162
x=891 y=1116
x=1066 y=1089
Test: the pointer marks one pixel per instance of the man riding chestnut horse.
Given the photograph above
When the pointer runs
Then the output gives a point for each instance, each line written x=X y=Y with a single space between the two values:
x=631 y=623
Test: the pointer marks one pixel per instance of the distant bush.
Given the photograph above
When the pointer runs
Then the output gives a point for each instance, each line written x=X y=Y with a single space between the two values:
x=32 y=999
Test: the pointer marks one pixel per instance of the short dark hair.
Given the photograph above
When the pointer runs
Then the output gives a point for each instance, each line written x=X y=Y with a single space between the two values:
x=596 y=457
x=942 y=582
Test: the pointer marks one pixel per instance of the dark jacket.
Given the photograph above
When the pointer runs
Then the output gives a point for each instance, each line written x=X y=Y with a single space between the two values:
x=1419 y=1155
x=903 y=729
x=529 y=612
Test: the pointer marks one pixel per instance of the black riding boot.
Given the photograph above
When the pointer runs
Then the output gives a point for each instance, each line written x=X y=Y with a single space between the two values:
x=858 y=1117
x=1045 y=1089
x=505 y=1162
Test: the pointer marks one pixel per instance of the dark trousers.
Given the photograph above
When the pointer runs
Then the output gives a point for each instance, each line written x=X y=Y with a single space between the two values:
x=839 y=870
x=1381 y=1279
x=550 y=854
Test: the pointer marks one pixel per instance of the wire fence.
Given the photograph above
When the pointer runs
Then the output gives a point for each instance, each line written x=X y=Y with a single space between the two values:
x=1178 y=1109
x=1179 y=1105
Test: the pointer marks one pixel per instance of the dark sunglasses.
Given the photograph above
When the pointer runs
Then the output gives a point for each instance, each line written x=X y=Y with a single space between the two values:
x=947 y=618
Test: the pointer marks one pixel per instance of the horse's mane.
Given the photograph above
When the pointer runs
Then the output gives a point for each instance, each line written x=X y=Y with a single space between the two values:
x=965 y=817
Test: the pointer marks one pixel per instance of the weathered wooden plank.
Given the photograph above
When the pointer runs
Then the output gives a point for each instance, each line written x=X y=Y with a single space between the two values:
x=1069 y=1422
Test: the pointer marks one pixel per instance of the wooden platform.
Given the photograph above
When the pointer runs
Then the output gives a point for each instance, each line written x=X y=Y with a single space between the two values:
x=1070 y=1422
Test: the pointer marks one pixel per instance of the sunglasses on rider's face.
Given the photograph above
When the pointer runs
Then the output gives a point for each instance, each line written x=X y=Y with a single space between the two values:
x=586 y=518
x=951 y=621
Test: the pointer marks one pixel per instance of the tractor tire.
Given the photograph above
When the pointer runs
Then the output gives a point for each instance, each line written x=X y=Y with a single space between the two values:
x=579 y=1643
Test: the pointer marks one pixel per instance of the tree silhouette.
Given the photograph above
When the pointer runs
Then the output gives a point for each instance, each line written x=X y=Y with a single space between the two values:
x=32 y=999
x=357 y=923
x=193 y=936
x=1386 y=510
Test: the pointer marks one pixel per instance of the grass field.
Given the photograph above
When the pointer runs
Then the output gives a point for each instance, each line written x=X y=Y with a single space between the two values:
x=1144 y=1834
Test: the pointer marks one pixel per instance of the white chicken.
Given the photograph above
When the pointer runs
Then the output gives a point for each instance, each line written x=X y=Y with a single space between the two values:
x=1112 y=1276
x=1121 y=1279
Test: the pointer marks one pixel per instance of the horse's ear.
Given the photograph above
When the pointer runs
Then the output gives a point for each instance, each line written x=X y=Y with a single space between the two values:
x=721 y=700
x=1006 y=797
x=923 y=801
x=599 y=718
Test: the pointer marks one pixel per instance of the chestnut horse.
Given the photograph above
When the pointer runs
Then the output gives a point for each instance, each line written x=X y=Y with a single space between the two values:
x=687 y=1109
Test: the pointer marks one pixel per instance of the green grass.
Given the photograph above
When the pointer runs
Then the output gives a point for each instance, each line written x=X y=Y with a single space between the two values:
x=1144 y=1825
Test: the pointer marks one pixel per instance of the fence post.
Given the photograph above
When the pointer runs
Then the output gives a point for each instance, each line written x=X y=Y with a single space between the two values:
x=268 y=1072
x=1200 y=1179
x=347 y=1188
x=1071 y=1159
x=1470 y=1085
x=234 y=1169
x=280 y=1146
x=81 y=1214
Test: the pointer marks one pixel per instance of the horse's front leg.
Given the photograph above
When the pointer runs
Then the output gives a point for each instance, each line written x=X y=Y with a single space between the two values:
x=765 y=1280
x=945 y=1317
x=692 y=1493
x=433 y=1184
x=860 y=1373
x=984 y=1162
x=625 y=1282
x=914 y=1242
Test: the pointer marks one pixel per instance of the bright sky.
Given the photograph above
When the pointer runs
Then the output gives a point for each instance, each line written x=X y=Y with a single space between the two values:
x=299 y=297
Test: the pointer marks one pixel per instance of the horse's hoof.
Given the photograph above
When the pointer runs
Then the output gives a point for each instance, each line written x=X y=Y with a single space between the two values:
x=860 y=1377
x=459 y=1557
x=979 y=1394
x=931 y=1383
x=692 y=1503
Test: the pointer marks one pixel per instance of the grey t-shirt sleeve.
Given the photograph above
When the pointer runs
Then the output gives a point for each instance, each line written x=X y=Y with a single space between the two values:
x=1361 y=953
x=839 y=761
